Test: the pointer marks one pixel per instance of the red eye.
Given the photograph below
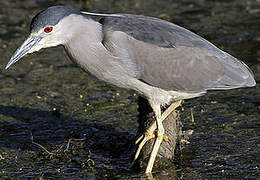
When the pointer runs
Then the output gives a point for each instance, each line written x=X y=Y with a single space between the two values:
x=48 y=29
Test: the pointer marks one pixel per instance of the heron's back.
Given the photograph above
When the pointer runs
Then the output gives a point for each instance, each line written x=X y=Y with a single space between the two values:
x=173 y=58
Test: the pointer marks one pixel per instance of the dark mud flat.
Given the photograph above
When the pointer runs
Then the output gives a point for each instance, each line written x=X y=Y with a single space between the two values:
x=48 y=98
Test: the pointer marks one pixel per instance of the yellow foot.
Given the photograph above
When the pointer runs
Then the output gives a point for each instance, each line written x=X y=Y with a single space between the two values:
x=156 y=145
x=165 y=138
x=144 y=138
x=149 y=134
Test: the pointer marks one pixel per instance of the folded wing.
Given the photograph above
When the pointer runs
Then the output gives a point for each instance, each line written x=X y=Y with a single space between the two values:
x=168 y=56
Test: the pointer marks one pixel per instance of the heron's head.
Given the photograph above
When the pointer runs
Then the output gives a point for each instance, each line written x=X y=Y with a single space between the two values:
x=46 y=30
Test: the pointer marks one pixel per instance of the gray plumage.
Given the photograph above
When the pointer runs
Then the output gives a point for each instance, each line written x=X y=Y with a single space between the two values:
x=174 y=58
x=156 y=52
x=160 y=60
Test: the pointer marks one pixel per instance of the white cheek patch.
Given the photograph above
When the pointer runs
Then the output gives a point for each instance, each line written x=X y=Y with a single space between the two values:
x=47 y=41
x=35 y=48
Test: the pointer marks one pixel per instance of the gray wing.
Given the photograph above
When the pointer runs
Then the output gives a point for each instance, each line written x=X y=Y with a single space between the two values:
x=168 y=56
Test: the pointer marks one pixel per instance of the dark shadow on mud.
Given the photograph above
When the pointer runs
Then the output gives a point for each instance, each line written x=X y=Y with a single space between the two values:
x=51 y=127
x=102 y=150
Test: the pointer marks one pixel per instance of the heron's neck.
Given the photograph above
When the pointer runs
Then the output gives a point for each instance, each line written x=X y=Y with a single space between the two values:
x=80 y=28
x=85 y=48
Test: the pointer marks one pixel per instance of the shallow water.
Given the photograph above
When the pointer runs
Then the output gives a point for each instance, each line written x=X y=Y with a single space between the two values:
x=46 y=97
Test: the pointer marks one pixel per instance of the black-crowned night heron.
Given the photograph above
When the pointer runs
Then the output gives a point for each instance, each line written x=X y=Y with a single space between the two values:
x=162 y=61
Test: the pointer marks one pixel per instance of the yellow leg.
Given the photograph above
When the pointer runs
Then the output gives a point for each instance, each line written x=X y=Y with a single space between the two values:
x=156 y=146
x=149 y=134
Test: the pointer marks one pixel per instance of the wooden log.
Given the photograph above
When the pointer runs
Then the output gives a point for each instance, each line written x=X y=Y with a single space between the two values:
x=173 y=131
